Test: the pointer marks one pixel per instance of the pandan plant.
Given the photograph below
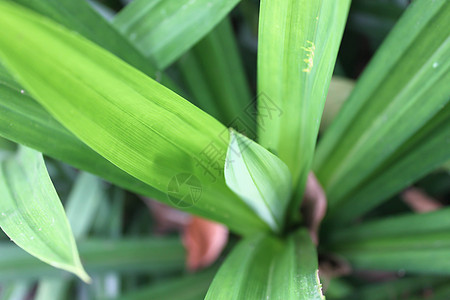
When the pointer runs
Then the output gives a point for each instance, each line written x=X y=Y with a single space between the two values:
x=214 y=108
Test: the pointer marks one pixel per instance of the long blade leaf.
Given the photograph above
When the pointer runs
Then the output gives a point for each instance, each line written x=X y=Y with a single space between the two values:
x=151 y=256
x=212 y=70
x=263 y=267
x=24 y=121
x=408 y=164
x=32 y=215
x=298 y=45
x=164 y=29
x=416 y=243
x=81 y=17
x=142 y=127
x=403 y=88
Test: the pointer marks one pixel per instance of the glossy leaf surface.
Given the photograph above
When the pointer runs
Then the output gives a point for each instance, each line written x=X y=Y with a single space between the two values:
x=264 y=267
x=260 y=178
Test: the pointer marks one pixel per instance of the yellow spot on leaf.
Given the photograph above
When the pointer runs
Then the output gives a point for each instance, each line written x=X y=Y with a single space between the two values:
x=309 y=60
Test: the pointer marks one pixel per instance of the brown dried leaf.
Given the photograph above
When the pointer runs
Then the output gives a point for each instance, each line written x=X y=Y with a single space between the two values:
x=204 y=241
x=314 y=206
x=420 y=202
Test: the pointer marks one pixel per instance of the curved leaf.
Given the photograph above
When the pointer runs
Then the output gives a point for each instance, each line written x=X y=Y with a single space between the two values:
x=32 y=215
x=24 y=121
x=139 y=125
x=260 y=178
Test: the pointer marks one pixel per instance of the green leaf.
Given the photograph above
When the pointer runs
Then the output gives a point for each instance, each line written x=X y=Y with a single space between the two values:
x=15 y=291
x=103 y=9
x=396 y=289
x=440 y=292
x=6 y=147
x=82 y=18
x=164 y=29
x=404 y=88
x=416 y=243
x=260 y=178
x=110 y=218
x=53 y=288
x=137 y=256
x=32 y=215
x=337 y=288
x=213 y=73
x=83 y=203
x=24 y=121
x=264 y=267
x=190 y=287
x=140 y=126
x=81 y=209
x=297 y=49
x=408 y=164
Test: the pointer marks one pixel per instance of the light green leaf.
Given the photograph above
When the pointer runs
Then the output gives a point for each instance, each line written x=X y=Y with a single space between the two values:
x=260 y=178
x=79 y=16
x=264 y=267
x=297 y=49
x=32 y=215
x=52 y=288
x=401 y=91
x=416 y=243
x=24 y=121
x=101 y=256
x=82 y=18
x=164 y=29
x=140 y=126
